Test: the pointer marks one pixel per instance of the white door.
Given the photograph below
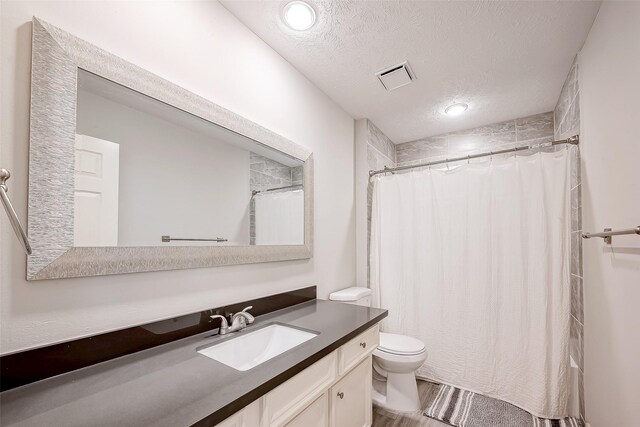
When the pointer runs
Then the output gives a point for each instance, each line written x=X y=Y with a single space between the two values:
x=96 y=192
x=351 y=404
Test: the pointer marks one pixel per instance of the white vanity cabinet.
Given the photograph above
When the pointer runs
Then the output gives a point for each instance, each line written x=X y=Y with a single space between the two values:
x=333 y=392
x=247 y=417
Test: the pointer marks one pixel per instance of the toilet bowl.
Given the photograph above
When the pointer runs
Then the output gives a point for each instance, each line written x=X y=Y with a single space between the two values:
x=394 y=361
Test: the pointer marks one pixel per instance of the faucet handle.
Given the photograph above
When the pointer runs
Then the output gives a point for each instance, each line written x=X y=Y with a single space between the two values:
x=224 y=326
x=249 y=317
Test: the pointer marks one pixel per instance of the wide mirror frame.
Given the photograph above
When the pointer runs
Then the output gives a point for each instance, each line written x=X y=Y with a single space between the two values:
x=56 y=58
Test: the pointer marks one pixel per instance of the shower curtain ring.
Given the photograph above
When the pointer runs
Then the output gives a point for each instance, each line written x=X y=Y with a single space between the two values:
x=468 y=158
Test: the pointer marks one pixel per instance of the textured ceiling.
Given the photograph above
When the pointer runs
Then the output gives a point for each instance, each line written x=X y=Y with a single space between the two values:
x=505 y=59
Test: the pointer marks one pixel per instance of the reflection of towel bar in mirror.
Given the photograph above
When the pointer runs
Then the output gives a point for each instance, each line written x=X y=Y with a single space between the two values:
x=287 y=187
x=167 y=239
x=607 y=233
x=11 y=213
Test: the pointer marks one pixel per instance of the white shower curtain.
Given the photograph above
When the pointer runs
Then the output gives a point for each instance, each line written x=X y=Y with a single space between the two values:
x=280 y=218
x=475 y=262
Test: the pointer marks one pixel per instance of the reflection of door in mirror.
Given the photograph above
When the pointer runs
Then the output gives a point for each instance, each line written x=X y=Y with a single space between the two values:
x=97 y=165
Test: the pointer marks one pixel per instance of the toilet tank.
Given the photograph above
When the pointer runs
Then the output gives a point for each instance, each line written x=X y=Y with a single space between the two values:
x=354 y=295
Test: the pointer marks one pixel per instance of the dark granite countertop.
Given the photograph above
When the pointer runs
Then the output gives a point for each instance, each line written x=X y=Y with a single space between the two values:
x=173 y=385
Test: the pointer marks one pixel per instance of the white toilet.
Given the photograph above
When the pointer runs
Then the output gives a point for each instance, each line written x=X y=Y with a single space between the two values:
x=394 y=361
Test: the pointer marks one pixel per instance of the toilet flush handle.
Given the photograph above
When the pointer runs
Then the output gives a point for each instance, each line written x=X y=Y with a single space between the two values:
x=363 y=344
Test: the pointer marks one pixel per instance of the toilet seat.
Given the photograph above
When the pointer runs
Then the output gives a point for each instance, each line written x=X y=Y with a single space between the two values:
x=400 y=345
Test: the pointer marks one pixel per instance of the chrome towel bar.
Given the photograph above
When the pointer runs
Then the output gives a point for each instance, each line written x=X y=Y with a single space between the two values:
x=11 y=213
x=167 y=239
x=607 y=233
x=288 y=187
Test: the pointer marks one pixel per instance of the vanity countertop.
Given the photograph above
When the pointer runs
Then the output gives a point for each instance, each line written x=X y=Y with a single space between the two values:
x=173 y=385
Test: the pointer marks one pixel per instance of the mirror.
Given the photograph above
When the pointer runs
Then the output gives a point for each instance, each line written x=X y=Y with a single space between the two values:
x=149 y=174
x=129 y=172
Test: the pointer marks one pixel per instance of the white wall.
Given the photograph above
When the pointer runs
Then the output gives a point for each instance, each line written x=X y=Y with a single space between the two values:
x=202 y=47
x=165 y=167
x=609 y=68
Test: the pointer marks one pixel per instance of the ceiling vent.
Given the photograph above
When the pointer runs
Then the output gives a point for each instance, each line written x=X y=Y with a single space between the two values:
x=396 y=76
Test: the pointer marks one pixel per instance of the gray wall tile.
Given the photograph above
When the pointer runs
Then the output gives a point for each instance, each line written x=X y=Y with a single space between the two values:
x=576 y=343
x=576 y=253
x=531 y=130
x=539 y=126
x=380 y=141
x=576 y=211
x=581 y=394
x=569 y=97
x=566 y=124
x=297 y=175
x=577 y=307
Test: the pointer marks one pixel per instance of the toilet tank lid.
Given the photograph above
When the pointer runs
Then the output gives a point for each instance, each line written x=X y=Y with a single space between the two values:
x=350 y=294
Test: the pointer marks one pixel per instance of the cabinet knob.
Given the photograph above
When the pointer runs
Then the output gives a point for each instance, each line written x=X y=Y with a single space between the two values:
x=341 y=395
x=363 y=344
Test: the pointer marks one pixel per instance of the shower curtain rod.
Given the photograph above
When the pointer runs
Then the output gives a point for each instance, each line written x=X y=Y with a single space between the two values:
x=574 y=140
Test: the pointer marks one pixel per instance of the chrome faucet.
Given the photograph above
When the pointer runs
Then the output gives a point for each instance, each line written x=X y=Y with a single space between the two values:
x=239 y=321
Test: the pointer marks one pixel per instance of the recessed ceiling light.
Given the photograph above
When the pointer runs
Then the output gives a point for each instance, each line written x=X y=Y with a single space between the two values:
x=299 y=15
x=456 y=109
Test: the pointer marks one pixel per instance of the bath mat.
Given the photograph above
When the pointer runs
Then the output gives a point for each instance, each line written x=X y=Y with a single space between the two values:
x=463 y=408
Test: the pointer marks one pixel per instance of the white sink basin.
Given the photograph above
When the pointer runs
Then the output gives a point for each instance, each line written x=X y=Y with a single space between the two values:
x=249 y=349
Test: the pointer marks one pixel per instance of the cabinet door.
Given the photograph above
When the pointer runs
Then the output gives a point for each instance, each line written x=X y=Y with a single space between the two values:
x=314 y=415
x=351 y=398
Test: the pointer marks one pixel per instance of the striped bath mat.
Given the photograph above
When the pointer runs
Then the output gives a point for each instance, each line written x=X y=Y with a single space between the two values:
x=463 y=408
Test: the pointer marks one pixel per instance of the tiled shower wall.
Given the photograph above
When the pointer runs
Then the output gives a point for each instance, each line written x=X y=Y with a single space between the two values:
x=265 y=174
x=567 y=123
x=530 y=130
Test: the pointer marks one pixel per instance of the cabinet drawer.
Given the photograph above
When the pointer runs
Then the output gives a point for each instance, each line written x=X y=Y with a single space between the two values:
x=286 y=400
x=358 y=348
x=314 y=415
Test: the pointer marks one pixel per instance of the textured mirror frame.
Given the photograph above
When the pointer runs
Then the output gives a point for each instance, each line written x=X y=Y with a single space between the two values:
x=56 y=57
